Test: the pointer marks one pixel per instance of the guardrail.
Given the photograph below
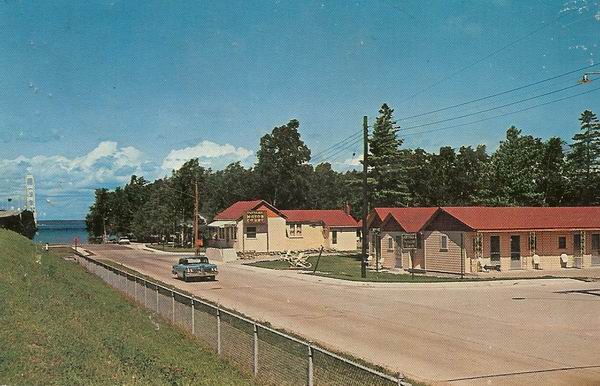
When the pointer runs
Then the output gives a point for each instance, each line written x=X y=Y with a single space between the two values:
x=271 y=356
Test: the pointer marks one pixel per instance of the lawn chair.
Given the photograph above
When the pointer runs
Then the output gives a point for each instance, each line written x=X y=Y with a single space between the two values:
x=536 y=262
x=564 y=259
x=481 y=265
x=298 y=261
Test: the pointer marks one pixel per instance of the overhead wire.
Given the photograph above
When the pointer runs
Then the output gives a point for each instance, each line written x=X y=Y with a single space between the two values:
x=492 y=108
x=501 y=115
x=491 y=54
x=499 y=93
x=343 y=141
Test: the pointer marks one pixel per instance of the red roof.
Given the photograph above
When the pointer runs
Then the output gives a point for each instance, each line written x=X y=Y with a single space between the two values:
x=329 y=217
x=237 y=210
x=526 y=218
x=410 y=219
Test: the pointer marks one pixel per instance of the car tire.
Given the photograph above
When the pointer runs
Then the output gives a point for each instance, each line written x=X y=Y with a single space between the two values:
x=212 y=278
x=185 y=277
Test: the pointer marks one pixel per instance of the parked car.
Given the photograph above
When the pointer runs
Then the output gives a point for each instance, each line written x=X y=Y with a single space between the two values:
x=124 y=241
x=194 y=266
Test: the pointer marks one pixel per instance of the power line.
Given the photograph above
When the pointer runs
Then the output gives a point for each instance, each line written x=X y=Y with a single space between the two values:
x=341 y=142
x=451 y=75
x=502 y=115
x=492 y=108
x=339 y=151
x=500 y=93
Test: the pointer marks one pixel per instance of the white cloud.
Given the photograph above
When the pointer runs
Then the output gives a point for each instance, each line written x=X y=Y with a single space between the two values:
x=209 y=154
x=107 y=165
x=353 y=163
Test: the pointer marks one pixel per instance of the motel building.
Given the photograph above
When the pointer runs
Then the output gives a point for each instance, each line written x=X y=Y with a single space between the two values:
x=471 y=239
x=258 y=227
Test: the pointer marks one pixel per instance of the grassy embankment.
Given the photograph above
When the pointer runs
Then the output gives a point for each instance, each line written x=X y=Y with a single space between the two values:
x=347 y=267
x=62 y=325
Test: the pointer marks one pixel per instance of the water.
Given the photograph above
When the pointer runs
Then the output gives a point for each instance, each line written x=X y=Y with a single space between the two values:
x=60 y=231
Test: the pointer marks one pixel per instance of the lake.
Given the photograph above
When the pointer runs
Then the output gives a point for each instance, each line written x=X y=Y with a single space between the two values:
x=60 y=231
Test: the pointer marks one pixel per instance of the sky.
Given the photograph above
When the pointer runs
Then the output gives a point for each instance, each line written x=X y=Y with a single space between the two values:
x=92 y=92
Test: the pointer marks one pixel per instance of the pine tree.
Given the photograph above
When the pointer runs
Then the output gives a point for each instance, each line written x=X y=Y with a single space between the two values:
x=584 y=162
x=387 y=162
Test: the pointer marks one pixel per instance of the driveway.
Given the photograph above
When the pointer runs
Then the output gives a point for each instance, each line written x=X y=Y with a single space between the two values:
x=503 y=332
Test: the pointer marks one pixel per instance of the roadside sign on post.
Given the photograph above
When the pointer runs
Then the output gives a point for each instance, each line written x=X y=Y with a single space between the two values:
x=76 y=242
x=409 y=241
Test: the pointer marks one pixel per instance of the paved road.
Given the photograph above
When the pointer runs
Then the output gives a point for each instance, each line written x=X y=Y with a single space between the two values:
x=509 y=332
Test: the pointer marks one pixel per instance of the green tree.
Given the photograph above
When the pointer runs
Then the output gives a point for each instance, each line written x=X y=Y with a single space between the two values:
x=552 y=182
x=326 y=188
x=181 y=190
x=387 y=162
x=419 y=173
x=282 y=171
x=469 y=175
x=514 y=171
x=443 y=177
x=234 y=183
x=95 y=220
x=584 y=162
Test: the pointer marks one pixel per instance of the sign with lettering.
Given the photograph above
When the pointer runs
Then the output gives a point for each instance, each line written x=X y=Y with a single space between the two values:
x=409 y=241
x=255 y=217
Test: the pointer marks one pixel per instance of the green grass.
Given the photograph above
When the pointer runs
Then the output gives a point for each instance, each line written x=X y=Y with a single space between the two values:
x=60 y=325
x=168 y=248
x=347 y=267
x=289 y=349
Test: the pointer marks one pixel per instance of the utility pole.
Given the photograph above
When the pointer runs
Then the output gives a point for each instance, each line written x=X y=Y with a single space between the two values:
x=365 y=209
x=196 y=216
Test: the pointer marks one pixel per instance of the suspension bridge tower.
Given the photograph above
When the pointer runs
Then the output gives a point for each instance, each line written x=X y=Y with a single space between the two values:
x=30 y=195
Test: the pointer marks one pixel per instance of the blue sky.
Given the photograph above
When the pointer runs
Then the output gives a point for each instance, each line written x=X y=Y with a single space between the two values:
x=93 y=91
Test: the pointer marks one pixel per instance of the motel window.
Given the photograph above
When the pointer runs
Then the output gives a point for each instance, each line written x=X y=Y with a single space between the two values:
x=333 y=237
x=221 y=233
x=495 y=248
x=596 y=242
x=295 y=230
x=251 y=232
x=444 y=243
x=562 y=242
x=234 y=233
x=390 y=244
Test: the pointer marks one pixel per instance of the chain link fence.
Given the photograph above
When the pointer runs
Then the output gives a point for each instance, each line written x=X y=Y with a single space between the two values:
x=272 y=357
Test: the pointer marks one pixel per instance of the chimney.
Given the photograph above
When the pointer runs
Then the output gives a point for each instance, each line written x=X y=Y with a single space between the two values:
x=347 y=208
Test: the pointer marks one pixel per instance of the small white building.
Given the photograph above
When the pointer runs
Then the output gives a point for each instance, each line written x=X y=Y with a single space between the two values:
x=257 y=226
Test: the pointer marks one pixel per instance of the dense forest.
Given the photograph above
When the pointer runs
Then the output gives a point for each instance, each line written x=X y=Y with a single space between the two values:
x=522 y=171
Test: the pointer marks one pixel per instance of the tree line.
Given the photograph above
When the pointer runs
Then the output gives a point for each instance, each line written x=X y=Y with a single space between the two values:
x=523 y=171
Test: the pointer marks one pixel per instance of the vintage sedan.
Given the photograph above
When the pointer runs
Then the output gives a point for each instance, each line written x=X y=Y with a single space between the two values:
x=194 y=267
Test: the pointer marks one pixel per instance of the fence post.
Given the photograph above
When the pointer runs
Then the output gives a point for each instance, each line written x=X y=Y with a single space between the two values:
x=255 y=357
x=126 y=284
x=157 y=309
x=218 y=331
x=193 y=317
x=173 y=306
x=145 y=286
x=310 y=364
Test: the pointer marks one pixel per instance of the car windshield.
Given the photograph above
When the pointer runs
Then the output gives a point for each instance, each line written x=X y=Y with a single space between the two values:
x=197 y=260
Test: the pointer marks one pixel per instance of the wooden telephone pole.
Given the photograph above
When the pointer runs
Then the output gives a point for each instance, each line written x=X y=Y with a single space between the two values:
x=365 y=209
x=196 y=220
